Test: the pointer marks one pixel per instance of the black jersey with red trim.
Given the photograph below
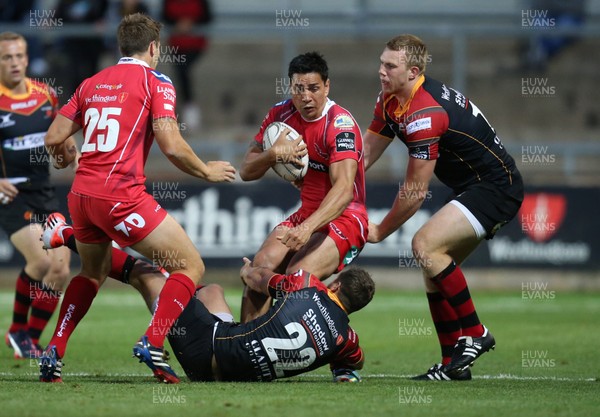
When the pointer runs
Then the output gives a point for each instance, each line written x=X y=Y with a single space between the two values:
x=24 y=121
x=305 y=329
x=439 y=123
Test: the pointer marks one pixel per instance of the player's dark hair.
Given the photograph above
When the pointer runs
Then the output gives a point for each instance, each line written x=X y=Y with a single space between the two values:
x=136 y=31
x=309 y=62
x=356 y=290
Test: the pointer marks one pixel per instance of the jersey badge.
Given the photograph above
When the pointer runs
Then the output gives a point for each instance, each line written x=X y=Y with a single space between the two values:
x=5 y=121
x=344 y=141
x=343 y=121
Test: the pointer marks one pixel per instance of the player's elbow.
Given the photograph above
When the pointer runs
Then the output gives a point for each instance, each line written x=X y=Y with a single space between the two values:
x=247 y=174
x=346 y=195
x=52 y=139
x=175 y=150
x=171 y=153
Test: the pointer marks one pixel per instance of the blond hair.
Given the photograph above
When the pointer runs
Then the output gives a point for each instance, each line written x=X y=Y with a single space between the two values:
x=12 y=36
x=414 y=49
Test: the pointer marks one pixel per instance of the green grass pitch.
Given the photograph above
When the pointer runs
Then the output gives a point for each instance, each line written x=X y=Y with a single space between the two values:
x=545 y=364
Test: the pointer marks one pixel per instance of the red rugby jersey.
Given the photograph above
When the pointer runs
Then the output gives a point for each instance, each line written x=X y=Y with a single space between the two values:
x=116 y=108
x=333 y=137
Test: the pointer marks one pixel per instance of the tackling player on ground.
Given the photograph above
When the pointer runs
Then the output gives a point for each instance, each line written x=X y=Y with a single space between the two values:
x=446 y=134
x=330 y=228
x=122 y=109
x=306 y=329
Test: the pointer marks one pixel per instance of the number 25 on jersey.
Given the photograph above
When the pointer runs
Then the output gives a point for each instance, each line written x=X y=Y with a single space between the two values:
x=102 y=125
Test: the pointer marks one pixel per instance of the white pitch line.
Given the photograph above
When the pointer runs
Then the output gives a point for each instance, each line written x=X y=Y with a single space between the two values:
x=499 y=377
x=508 y=377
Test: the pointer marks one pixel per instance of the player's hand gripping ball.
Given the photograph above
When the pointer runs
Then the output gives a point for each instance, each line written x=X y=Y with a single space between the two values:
x=346 y=375
x=289 y=171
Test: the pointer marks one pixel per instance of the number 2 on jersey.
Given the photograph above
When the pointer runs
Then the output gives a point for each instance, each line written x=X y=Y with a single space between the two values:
x=304 y=357
x=95 y=121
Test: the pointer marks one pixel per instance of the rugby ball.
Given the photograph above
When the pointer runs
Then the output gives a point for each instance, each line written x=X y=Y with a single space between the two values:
x=289 y=171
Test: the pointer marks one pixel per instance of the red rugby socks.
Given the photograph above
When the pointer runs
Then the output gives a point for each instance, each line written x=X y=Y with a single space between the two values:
x=173 y=298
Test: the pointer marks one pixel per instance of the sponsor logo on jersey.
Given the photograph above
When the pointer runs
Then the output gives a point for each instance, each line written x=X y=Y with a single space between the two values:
x=168 y=106
x=317 y=166
x=445 y=92
x=311 y=321
x=24 y=104
x=460 y=99
x=168 y=92
x=419 y=124
x=109 y=86
x=258 y=358
x=97 y=98
x=123 y=97
x=161 y=77
x=343 y=121
x=5 y=121
x=419 y=152
x=326 y=315
x=350 y=255
x=31 y=141
x=345 y=142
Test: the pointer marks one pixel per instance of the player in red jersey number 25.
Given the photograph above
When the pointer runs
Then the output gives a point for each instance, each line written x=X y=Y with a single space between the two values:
x=122 y=109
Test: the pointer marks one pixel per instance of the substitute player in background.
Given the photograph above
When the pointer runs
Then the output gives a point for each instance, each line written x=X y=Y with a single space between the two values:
x=122 y=109
x=330 y=228
x=27 y=108
x=446 y=134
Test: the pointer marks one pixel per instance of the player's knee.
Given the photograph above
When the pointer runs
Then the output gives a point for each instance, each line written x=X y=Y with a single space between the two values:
x=58 y=274
x=211 y=292
x=38 y=267
x=194 y=268
x=420 y=245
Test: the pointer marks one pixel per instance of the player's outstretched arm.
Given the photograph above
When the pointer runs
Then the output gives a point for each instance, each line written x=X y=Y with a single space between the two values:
x=348 y=361
x=410 y=197
x=256 y=278
x=375 y=145
x=180 y=153
x=60 y=143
